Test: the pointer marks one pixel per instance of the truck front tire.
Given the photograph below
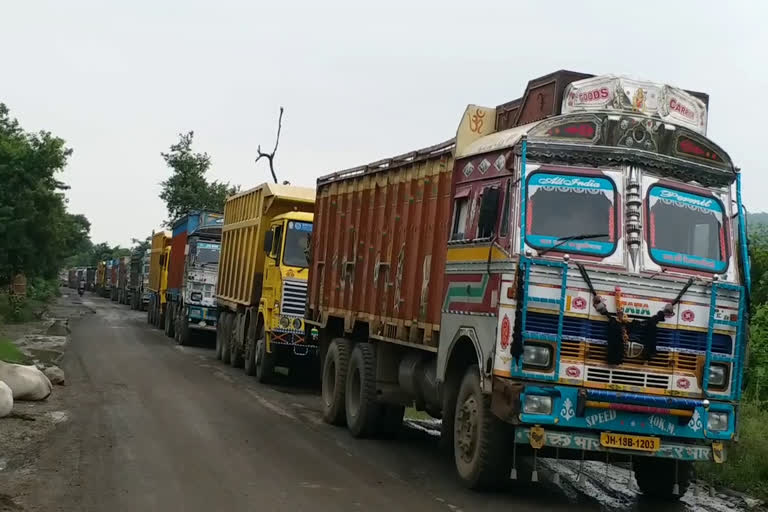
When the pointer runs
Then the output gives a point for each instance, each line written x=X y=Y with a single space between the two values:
x=362 y=410
x=182 y=327
x=334 y=381
x=265 y=362
x=249 y=365
x=482 y=443
x=656 y=477
x=170 y=318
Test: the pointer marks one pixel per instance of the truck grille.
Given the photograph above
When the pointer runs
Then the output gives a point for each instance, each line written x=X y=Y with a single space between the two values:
x=627 y=378
x=663 y=361
x=294 y=298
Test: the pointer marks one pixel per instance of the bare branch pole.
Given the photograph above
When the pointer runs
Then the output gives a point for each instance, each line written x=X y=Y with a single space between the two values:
x=271 y=156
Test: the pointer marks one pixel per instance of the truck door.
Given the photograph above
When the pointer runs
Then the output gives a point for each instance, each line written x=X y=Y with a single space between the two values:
x=272 y=278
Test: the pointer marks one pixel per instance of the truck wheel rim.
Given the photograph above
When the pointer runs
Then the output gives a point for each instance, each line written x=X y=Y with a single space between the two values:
x=466 y=429
x=329 y=383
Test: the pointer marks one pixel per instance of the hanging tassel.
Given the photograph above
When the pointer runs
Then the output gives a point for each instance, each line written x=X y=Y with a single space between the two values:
x=556 y=478
x=676 y=487
x=581 y=468
x=535 y=474
x=631 y=471
x=513 y=473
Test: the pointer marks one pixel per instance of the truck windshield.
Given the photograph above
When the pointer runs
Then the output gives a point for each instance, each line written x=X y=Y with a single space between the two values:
x=208 y=253
x=686 y=230
x=560 y=206
x=296 y=244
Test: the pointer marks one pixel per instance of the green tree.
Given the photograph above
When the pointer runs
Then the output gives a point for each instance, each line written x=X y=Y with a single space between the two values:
x=36 y=232
x=187 y=188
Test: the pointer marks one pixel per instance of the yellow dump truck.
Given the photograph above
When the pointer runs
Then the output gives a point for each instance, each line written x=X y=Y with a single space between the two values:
x=158 y=277
x=262 y=282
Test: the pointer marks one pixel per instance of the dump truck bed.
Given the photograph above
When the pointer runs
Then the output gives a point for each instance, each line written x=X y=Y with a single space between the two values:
x=159 y=242
x=246 y=218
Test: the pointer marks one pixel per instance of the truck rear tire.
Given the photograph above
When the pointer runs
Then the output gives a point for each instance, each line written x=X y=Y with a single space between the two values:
x=226 y=331
x=235 y=350
x=220 y=335
x=656 y=477
x=362 y=410
x=334 y=381
x=482 y=443
x=265 y=362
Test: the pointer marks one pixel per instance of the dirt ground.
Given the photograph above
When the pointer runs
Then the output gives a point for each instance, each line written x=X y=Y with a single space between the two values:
x=24 y=434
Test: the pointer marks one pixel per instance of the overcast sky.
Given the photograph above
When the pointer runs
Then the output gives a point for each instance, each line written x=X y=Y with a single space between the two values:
x=119 y=80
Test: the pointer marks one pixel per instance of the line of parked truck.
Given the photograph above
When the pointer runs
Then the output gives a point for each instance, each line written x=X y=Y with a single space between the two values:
x=567 y=277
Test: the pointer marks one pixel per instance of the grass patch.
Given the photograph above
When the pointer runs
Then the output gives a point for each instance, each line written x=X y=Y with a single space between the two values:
x=746 y=468
x=413 y=414
x=11 y=354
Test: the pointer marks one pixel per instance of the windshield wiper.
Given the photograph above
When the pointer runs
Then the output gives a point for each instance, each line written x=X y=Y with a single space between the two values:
x=565 y=239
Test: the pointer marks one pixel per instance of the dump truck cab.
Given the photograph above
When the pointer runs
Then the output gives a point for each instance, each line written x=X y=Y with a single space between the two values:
x=284 y=291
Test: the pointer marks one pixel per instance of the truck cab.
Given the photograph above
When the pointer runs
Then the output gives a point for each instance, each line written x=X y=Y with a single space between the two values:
x=284 y=290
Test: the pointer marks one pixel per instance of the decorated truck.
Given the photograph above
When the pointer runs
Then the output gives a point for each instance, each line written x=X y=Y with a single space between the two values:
x=159 y=258
x=567 y=278
x=192 y=273
x=262 y=286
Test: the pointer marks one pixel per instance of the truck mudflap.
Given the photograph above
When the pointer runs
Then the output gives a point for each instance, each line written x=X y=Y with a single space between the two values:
x=540 y=439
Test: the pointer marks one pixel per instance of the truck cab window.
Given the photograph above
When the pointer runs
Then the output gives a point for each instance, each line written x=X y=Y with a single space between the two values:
x=489 y=212
x=460 y=213
x=277 y=242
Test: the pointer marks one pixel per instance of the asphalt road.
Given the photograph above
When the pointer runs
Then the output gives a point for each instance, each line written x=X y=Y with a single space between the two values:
x=156 y=427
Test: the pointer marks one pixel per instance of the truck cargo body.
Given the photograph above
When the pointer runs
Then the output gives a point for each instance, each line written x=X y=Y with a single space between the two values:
x=159 y=260
x=568 y=276
x=72 y=278
x=261 y=289
x=139 y=277
x=123 y=280
x=101 y=278
x=192 y=274
x=90 y=279
x=114 y=279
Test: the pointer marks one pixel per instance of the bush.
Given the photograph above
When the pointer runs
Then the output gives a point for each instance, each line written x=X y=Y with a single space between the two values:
x=746 y=467
x=10 y=354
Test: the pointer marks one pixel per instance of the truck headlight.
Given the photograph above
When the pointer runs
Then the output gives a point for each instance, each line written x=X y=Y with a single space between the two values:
x=717 y=421
x=196 y=296
x=717 y=374
x=297 y=323
x=285 y=322
x=537 y=404
x=538 y=356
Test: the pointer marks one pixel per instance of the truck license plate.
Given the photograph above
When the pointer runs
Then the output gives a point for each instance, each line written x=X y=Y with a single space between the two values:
x=627 y=442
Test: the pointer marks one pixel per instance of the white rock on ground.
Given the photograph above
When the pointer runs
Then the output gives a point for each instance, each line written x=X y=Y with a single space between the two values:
x=6 y=400
x=55 y=375
x=26 y=382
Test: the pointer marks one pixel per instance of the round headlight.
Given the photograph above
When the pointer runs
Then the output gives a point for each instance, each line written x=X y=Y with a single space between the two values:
x=297 y=323
x=285 y=323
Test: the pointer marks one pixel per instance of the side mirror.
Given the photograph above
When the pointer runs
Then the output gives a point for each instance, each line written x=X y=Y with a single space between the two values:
x=268 y=236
